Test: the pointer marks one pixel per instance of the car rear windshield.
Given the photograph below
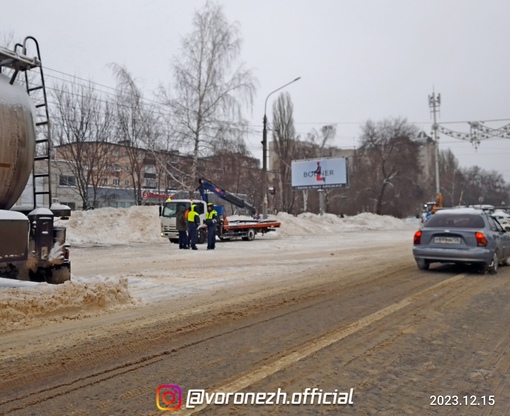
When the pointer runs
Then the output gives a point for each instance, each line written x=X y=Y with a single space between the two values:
x=456 y=221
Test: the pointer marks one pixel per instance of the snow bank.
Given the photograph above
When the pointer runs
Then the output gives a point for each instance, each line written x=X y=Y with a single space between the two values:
x=113 y=226
x=312 y=224
x=67 y=300
x=141 y=225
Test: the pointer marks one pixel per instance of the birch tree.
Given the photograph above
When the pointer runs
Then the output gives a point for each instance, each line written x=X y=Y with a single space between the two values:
x=211 y=86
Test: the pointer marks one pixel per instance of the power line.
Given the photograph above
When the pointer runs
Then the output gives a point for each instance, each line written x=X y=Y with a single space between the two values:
x=114 y=91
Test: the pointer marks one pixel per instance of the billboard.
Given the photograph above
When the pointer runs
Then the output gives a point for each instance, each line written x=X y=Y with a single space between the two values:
x=320 y=173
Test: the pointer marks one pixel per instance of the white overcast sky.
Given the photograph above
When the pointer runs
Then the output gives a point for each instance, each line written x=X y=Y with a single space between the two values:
x=358 y=59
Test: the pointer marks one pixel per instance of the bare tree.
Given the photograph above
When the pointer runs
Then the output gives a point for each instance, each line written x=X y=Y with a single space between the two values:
x=171 y=166
x=82 y=123
x=210 y=87
x=320 y=146
x=481 y=186
x=390 y=158
x=284 y=139
x=233 y=167
x=451 y=178
x=137 y=131
x=7 y=40
x=321 y=140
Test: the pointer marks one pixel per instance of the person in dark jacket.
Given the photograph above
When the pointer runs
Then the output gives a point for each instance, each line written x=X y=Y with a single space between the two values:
x=187 y=228
x=193 y=223
x=182 y=227
x=211 y=218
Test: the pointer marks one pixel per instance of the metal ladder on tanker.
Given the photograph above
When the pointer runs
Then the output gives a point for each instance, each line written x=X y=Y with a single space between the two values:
x=36 y=88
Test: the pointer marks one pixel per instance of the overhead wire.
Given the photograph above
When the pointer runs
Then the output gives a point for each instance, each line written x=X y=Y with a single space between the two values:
x=157 y=108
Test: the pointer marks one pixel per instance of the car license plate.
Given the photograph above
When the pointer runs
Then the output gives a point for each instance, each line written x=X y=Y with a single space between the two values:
x=447 y=240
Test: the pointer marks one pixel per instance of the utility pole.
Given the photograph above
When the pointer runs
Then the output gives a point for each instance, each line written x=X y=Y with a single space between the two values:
x=434 y=102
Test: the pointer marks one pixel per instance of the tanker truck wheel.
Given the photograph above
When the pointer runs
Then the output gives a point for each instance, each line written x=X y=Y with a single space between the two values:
x=54 y=275
x=59 y=274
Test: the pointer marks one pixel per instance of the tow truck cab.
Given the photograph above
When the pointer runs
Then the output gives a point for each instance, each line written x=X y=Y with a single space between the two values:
x=168 y=214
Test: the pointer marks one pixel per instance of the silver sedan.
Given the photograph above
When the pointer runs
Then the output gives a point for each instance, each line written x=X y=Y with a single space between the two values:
x=462 y=235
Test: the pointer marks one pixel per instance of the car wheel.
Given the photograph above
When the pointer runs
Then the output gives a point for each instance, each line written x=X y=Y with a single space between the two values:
x=250 y=235
x=423 y=264
x=202 y=236
x=493 y=266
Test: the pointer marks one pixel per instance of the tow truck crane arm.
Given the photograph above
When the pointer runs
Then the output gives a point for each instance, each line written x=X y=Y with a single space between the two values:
x=205 y=184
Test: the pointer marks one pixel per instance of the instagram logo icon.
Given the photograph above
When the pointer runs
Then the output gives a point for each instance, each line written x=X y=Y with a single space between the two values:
x=169 y=397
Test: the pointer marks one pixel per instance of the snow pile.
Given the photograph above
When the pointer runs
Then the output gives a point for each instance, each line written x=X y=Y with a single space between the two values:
x=312 y=224
x=113 y=226
x=142 y=225
x=68 y=300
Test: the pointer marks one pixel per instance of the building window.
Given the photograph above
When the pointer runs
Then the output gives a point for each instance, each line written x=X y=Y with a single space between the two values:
x=127 y=182
x=150 y=169
x=150 y=183
x=105 y=181
x=116 y=182
x=116 y=168
x=116 y=152
x=67 y=180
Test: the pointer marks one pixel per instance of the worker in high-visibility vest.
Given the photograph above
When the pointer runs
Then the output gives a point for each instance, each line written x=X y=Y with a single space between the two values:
x=211 y=218
x=193 y=223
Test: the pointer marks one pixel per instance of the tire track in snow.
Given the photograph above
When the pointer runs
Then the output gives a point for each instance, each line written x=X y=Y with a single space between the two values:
x=324 y=341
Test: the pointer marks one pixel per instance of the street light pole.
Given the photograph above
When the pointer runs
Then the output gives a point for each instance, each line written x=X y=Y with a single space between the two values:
x=264 y=149
x=434 y=102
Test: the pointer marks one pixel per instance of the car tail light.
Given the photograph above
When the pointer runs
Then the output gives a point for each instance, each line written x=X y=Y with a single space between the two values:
x=480 y=239
x=66 y=253
x=417 y=238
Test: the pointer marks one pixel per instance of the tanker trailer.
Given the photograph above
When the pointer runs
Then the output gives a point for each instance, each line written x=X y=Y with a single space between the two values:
x=31 y=246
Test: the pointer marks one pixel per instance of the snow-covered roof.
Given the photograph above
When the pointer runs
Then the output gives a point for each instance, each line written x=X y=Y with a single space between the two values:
x=460 y=210
x=41 y=211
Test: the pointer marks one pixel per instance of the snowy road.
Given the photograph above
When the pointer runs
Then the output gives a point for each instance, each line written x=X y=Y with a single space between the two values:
x=160 y=271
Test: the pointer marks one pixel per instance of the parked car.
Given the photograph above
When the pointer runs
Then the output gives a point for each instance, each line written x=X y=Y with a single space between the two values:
x=502 y=217
x=462 y=235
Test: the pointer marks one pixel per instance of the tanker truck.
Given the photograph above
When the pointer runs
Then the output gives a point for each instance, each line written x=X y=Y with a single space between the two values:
x=32 y=247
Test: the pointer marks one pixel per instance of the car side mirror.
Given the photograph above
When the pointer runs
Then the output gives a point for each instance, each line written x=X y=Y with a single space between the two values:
x=160 y=210
x=507 y=229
